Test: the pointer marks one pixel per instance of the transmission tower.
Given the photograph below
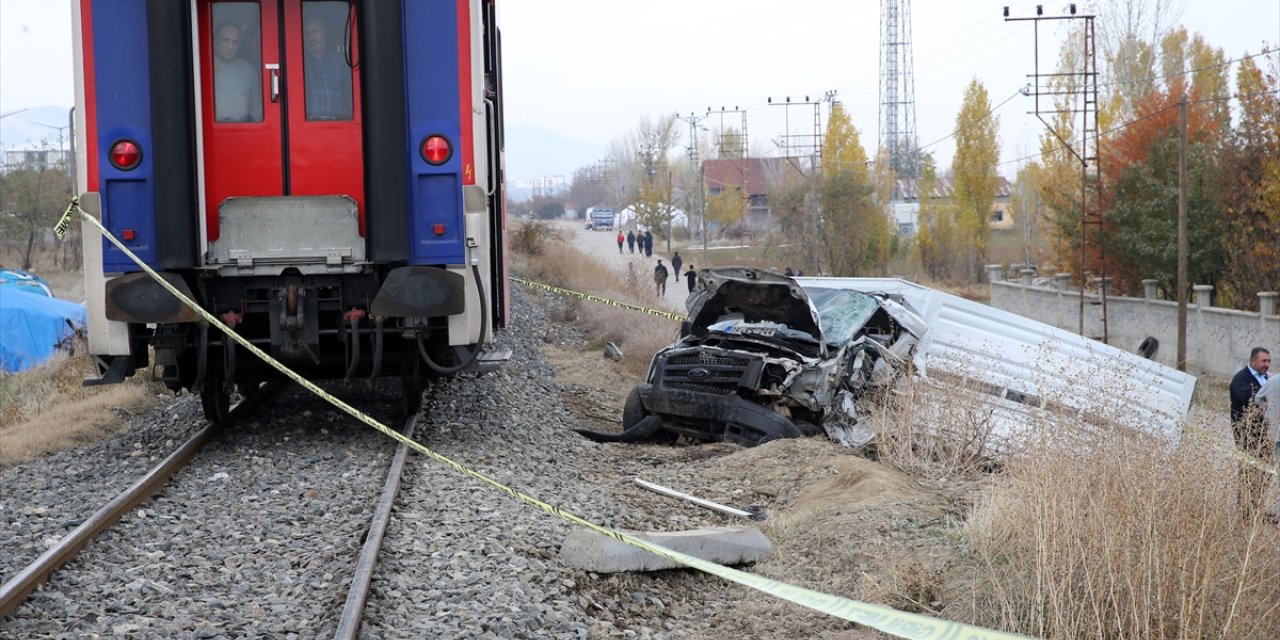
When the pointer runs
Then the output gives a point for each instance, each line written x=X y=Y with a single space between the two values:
x=898 y=89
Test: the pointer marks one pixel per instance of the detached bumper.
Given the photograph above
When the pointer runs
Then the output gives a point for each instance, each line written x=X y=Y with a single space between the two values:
x=716 y=417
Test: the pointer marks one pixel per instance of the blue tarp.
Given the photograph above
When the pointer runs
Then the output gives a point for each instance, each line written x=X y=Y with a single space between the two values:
x=28 y=282
x=32 y=325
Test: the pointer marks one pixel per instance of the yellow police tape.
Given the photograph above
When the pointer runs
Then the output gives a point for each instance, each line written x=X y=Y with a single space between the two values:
x=594 y=298
x=886 y=619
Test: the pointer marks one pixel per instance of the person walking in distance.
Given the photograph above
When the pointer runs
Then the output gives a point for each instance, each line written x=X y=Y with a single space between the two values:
x=660 y=275
x=648 y=244
x=1250 y=431
x=621 y=239
x=676 y=261
x=692 y=277
x=631 y=241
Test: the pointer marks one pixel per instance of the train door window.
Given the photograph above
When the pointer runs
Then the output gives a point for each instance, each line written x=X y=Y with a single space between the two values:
x=237 y=61
x=327 y=60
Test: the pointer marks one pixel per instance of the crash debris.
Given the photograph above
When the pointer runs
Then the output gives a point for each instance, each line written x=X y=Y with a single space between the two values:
x=765 y=356
x=730 y=546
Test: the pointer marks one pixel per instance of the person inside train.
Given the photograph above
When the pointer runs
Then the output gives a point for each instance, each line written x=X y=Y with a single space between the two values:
x=236 y=88
x=328 y=76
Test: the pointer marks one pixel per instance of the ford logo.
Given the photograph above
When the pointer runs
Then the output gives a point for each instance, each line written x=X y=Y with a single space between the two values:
x=699 y=373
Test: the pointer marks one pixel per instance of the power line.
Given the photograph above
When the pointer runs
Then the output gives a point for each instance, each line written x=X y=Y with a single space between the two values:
x=986 y=115
x=1153 y=79
x=1148 y=116
x=935 y=50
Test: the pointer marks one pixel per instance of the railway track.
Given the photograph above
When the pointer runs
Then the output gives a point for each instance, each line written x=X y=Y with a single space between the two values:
x=17 y=589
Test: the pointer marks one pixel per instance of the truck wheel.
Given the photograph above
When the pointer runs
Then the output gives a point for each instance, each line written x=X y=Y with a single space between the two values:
x=633 y=412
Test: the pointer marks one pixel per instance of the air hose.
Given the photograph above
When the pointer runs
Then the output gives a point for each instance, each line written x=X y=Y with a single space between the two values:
x=475 y=353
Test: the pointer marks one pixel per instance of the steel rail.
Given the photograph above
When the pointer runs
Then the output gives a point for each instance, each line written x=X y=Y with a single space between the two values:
x=353 y=610
x=14 y=592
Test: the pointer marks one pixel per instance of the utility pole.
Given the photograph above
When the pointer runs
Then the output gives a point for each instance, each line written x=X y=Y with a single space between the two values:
x=1082 y=86
x=61 y=152
x=1182 y=233
x=696 y=161
x=723 y=149
x=812 y=144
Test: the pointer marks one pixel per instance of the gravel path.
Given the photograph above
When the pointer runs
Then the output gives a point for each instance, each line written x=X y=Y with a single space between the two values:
x=603 y=245
x=258 y=539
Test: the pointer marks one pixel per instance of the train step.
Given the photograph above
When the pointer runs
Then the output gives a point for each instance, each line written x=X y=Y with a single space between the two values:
x=490 y=361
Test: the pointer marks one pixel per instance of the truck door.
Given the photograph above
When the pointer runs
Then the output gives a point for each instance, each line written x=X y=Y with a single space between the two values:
x=280 y=101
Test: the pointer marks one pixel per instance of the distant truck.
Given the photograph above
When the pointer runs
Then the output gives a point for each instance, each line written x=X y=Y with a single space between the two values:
x=600 y=219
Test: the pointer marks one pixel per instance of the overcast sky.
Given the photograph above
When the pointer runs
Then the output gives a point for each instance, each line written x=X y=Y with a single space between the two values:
x=590 y=69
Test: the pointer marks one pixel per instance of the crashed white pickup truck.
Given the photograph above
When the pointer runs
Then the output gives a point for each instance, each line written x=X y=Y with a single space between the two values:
x=764 y=356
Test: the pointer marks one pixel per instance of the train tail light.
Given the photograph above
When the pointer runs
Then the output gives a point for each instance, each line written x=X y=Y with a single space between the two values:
x=436 y=150
x=125 y=155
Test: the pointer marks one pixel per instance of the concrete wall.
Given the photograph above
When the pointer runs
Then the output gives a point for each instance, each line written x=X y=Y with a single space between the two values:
x=1218 y=340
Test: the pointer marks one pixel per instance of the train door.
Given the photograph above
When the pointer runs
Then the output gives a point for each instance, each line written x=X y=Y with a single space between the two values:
x=280 y=101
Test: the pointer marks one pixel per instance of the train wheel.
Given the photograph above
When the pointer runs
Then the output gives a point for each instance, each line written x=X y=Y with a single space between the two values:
x=214 y=398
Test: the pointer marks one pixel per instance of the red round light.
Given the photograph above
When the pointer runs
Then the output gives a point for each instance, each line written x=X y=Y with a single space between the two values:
x=125 y=154
x=436 y=150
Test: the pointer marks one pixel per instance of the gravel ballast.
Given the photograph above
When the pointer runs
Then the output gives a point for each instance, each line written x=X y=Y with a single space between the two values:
x=259 y=536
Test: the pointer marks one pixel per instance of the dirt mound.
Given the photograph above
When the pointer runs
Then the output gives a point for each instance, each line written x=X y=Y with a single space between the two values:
x=811 y=475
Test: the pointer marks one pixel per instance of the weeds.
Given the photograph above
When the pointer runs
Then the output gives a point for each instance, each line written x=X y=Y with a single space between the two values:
x=1124 y=540
x=47 y=409
x=531 y=237
x=638 y=335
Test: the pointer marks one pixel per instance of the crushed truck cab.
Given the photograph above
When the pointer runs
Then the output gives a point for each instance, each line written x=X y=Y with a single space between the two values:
x=764 y=356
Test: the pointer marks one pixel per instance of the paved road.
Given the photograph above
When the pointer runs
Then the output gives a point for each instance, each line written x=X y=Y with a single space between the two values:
x=604 y=246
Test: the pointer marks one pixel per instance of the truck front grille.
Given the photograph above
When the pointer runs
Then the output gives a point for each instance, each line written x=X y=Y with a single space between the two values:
x=709 y=372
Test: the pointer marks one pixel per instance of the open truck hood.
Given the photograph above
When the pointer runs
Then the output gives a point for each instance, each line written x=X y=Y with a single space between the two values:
x=758 y=296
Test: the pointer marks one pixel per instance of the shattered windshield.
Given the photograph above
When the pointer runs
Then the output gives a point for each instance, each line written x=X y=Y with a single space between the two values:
x=842 y=312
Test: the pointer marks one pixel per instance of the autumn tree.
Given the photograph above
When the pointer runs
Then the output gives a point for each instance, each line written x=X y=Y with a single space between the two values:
x=1129 y=34
x=1024 y=207
x=1250 y=188
x=856 y=233
x=1140 y=235
x=726 y=205
x=935 y=230
x=730 y=143
x=974 y=172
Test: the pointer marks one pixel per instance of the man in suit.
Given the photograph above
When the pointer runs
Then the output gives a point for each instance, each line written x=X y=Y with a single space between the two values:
x=1250 y=430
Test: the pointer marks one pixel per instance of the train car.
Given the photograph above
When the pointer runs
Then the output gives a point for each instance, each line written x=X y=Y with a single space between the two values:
x=323 y=176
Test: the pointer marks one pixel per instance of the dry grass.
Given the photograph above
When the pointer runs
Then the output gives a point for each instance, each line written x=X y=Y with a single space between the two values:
x=1124 y=540
x=639 y=335
x=46 y=408
x=1089 y=528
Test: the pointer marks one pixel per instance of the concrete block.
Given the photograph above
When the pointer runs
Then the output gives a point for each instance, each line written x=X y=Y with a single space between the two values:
x=586 y=549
